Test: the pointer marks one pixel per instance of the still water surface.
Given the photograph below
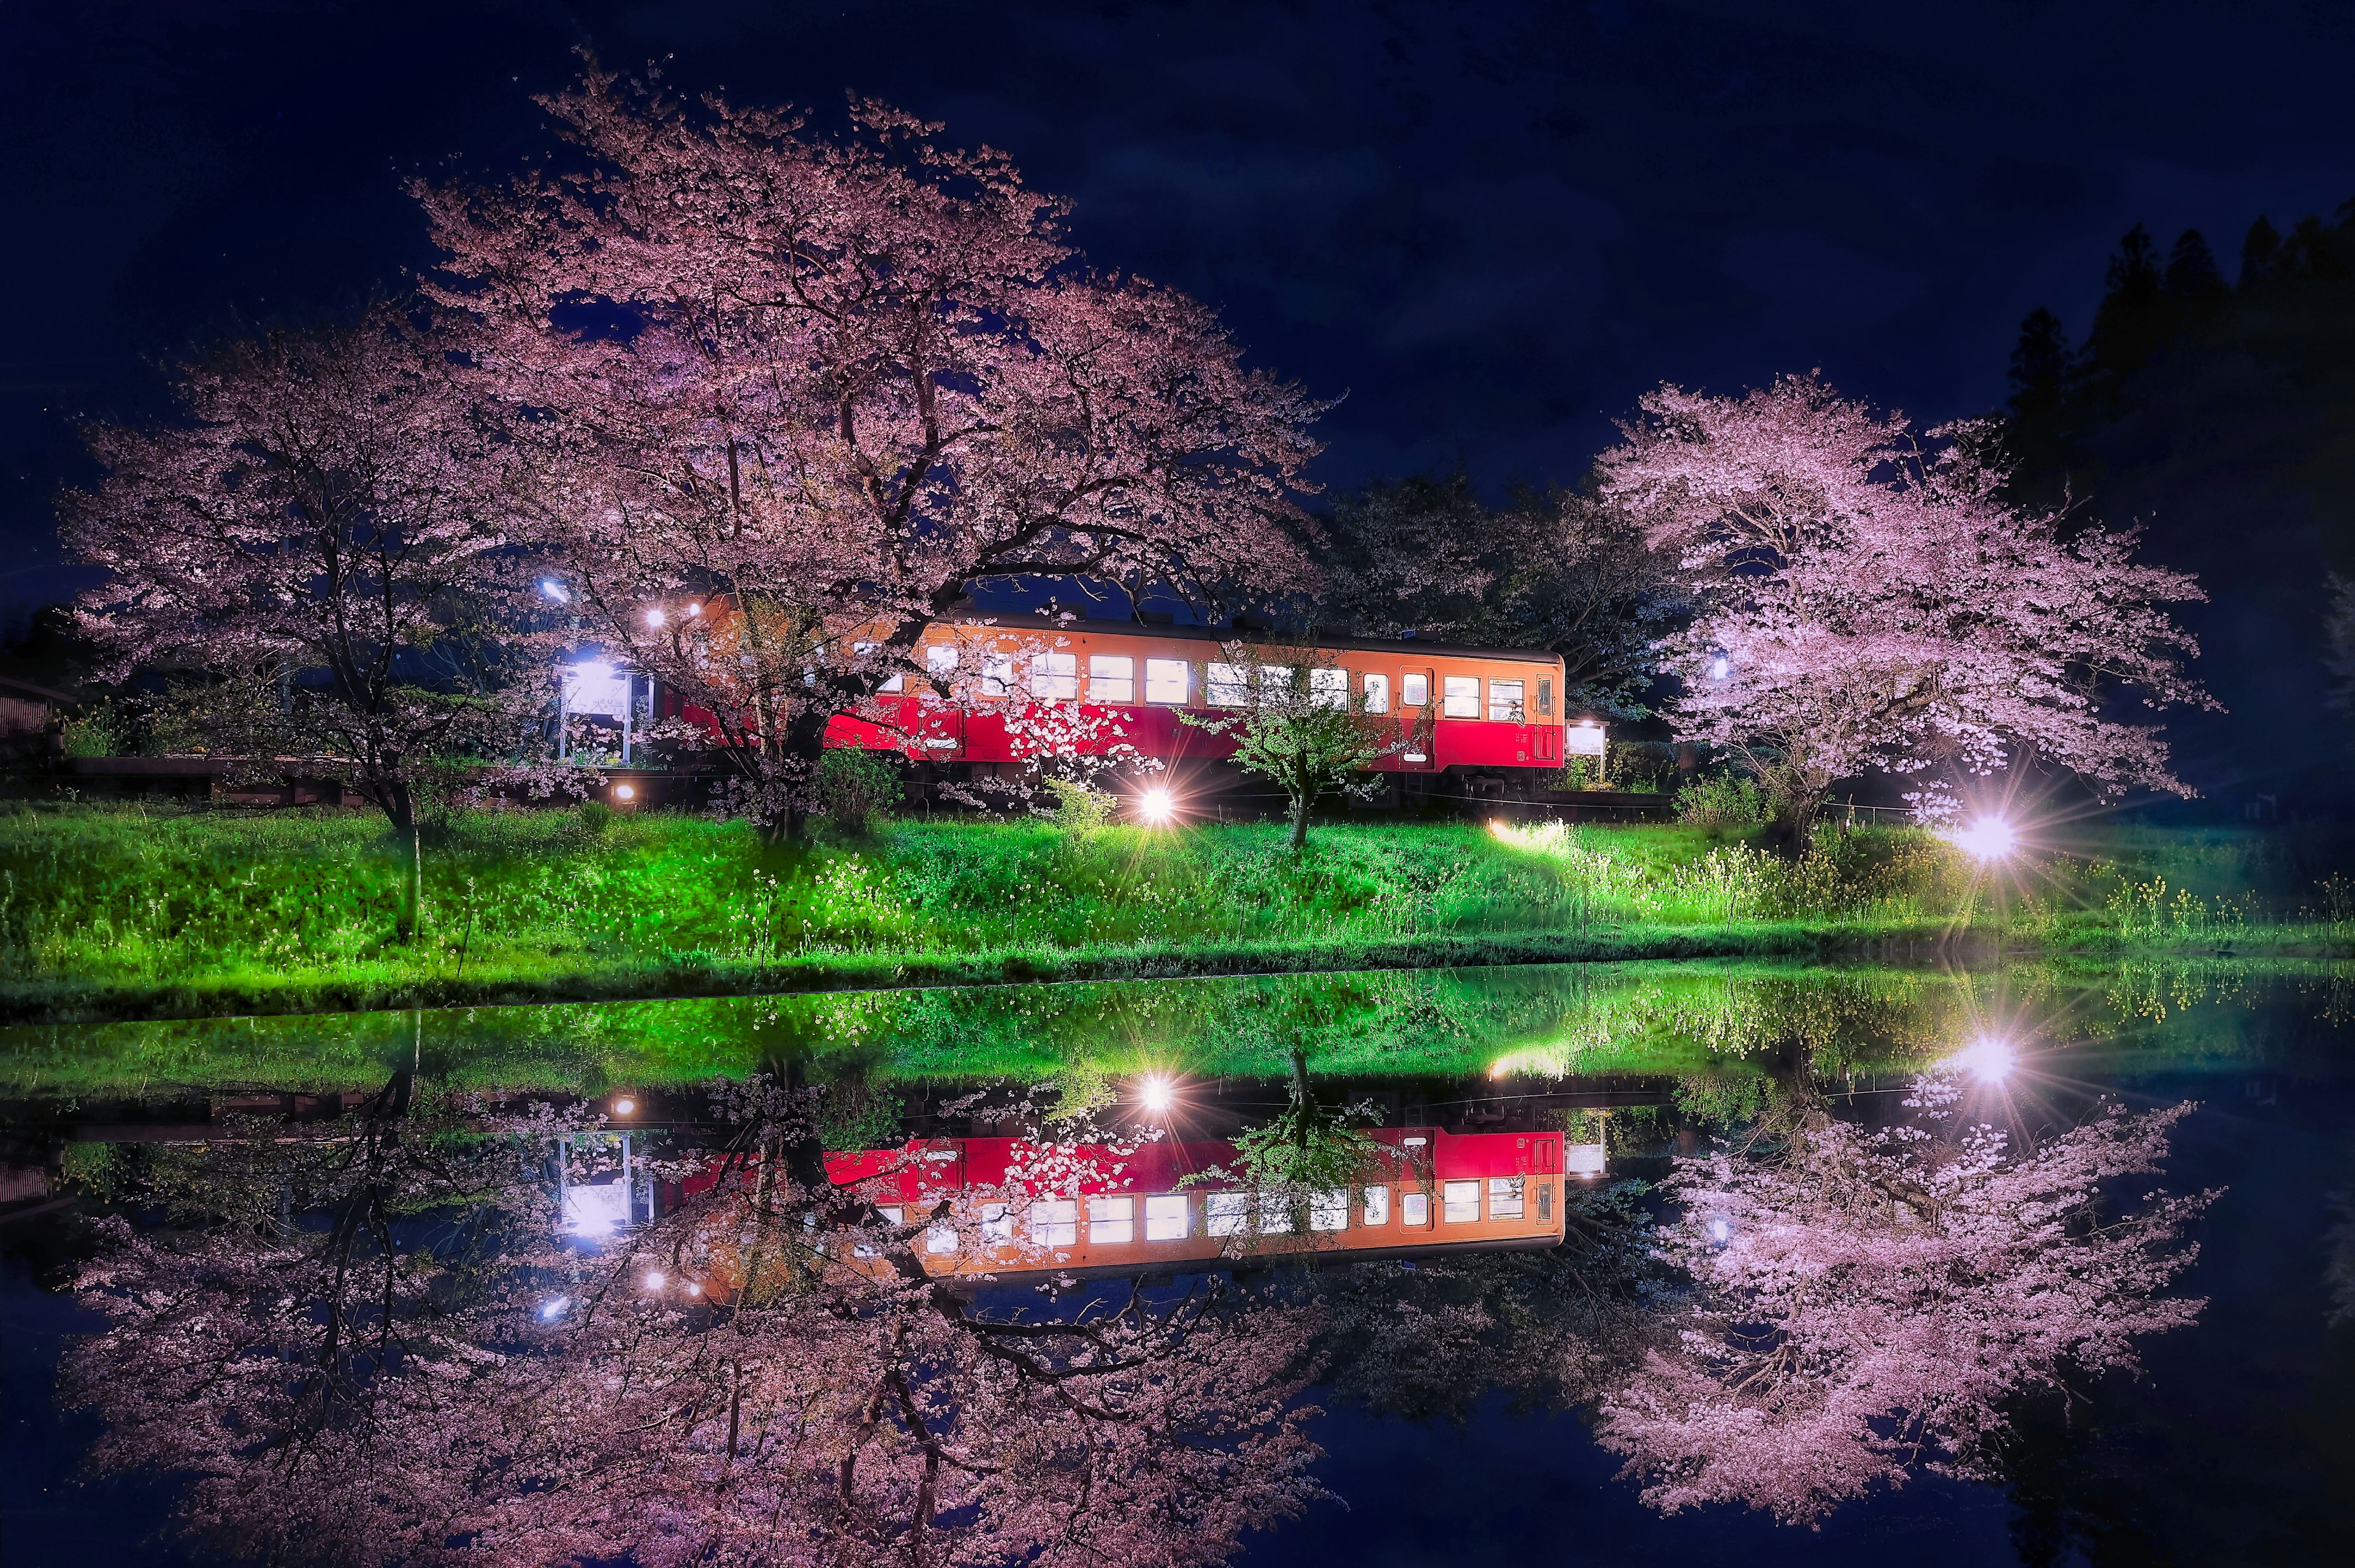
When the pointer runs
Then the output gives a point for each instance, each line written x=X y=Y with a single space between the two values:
x=1459 y=1403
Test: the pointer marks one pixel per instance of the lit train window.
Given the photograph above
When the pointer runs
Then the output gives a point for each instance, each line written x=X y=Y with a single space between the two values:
x=1545 y=1200
x=1329 y=689
x=1414 y=1209
x=940 y=659
x=1169 y=680
x=1505 y=703
x=1275 y=1217
x=1461 y=697
x=1330 y=1210
x=1228 y=685
x=1225 y=1213
x=1165 y=1217
x=1460 y=1201
x=1055 y=1222
x=1377 y=1205
x=1545 y=698
x=1111 y=677
x=1414 y=691
x=1378 y=694
x=1503 y=1198
x=940 y=1238
x=996 y=673
x=1112 y=1219
x=1275 y=678
x=996 y=1225
x=1054 y=677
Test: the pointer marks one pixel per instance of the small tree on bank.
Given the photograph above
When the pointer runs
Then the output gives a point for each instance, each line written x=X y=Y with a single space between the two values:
x=319 y=547
x=1868 y=600
x=1297 y=723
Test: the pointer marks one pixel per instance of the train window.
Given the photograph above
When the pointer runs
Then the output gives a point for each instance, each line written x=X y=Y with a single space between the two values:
x=996 y=1225
x=940 y=658
x=1329 y=689
x=996 y=673
x=1275 y=678
x=1462 y=697
x=1414 y=1209
x=1415 y=691
x=1055 y=1222
x=1225 y=1213
x=1111 y=677
x=1505 y=703
x=1275 y=1217
x=1377 y=1205
x=1054 y=677
x=1169 y=680
x=1112 y=1219
x=1330 y=1210
x=1545 y=1200
x=1460 y=1201
x=1165 y=1217
x=892 y=1213
x=940 y=1238
x=1503 y=1198
x=1378 y=694
x=1228 y=685
x=1545 y=698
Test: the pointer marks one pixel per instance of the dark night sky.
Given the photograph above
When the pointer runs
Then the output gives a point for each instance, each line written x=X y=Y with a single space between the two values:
x=1491 y=225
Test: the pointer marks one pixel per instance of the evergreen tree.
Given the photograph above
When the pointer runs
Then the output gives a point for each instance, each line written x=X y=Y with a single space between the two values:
x=2195 y=285
x=2036 y=431
x=2134 y=319
x=2258 y=250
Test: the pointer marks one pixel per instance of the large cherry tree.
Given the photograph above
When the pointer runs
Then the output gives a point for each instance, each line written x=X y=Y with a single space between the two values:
x=1869 y=601
x=317 y=547
x=844 y=382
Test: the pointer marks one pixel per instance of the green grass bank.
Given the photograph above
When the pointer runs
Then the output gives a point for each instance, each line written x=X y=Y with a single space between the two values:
x=120 y=911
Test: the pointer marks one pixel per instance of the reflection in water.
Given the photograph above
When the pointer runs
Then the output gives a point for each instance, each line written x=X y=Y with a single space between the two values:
x=380 y=1343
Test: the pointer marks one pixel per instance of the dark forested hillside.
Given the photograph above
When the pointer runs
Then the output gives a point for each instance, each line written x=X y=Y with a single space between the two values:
x=2221 y=415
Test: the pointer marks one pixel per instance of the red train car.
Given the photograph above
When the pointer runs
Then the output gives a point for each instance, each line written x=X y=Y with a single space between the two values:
x=1014 y=1210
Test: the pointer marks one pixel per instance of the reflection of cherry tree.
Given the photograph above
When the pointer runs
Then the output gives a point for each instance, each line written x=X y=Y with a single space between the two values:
x=1861 y=1301
x=814 y=1397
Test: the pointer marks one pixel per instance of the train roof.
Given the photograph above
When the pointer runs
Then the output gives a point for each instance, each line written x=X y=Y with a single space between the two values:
x=1031 y=621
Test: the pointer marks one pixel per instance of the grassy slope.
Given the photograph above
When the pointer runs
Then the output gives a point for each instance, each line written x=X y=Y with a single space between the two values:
x=120 y=912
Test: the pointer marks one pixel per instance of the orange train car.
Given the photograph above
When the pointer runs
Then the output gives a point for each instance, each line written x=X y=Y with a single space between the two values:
x=1018 y=1210
x=1454 y=708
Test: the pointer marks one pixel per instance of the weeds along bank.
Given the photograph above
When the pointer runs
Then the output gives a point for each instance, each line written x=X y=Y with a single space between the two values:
x=120 y=909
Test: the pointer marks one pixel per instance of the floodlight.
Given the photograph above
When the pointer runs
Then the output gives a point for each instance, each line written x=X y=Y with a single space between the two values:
x=1986 y=1058
x=1985 y=838
x=1157 y=806
x=624 y=1105
x=654 y=1280
x=553 y=1309
x=1158 y=1094
x=625 y=792
x=655 y=617
x=554 y=591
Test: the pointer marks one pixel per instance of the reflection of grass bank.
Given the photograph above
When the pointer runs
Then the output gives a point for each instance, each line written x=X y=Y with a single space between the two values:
x=1528 y=1026
x=115 y=913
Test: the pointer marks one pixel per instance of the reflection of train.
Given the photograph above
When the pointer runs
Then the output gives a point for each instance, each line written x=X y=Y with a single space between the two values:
x=1017 y=1210
x=1459 y=711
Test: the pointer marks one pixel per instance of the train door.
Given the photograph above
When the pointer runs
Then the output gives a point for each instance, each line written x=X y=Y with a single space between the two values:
x=1418 y=709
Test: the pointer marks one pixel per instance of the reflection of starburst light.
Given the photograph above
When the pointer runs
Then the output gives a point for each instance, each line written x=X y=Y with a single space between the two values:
x=1986 y=1058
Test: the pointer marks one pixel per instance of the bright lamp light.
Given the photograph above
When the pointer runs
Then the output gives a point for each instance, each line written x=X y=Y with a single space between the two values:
x=552 y=589
x=1985 y=838
x=624 y=1105
x=655 y=1279
x=1157 y=806
x=655 y=617
x=1158 y=1094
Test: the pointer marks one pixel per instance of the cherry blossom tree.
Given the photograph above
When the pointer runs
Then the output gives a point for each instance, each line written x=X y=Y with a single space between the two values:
x=1862 y=1301
x=764 y=1374
x=845 y=383
x=318 y=545
x=1869 y=601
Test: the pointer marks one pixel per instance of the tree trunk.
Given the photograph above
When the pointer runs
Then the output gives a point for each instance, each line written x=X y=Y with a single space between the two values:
x=402 y=809
x=1299 y=822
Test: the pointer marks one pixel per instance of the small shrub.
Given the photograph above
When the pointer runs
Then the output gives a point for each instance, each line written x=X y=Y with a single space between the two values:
x=595 y=815
x=856 y=788
x=1727 y=803
x=93 y=734
x=1081 y=808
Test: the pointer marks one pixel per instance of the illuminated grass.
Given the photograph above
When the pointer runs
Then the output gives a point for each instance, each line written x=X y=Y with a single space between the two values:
x=117 y=912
